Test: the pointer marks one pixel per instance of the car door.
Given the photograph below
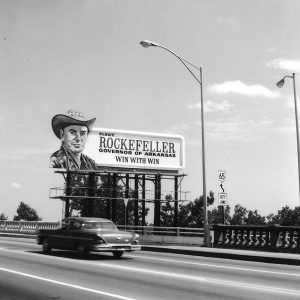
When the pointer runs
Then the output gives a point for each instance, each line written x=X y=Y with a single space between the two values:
x=59 y=239
x=75 y=235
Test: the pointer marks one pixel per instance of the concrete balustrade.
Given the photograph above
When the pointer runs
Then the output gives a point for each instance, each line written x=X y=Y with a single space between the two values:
x=265 y=238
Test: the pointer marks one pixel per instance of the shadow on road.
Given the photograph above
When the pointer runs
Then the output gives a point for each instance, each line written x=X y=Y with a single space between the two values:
x=74 y=255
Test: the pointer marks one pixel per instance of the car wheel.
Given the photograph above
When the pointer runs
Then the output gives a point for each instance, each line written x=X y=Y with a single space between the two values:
x=46 y=246
x=81 y=250
x=118 y=254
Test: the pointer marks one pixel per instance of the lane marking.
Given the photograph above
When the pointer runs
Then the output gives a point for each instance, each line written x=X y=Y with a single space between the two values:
x=169 y=260
x=269 y=289
x=215 y=266
x=265 y=288
x=78 y=287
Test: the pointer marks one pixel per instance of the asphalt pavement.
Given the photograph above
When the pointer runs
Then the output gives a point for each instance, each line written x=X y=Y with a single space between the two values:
x=248 y=255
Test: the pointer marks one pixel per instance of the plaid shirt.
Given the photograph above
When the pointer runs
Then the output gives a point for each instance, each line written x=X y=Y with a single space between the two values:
x=63 y=159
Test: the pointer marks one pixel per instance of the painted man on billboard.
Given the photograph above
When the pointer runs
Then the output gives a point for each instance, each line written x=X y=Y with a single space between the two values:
x=73 y=130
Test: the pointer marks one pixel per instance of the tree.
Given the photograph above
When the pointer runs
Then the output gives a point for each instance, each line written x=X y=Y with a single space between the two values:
x=216 y=215
x=3 y=217
x=78 y=187
x=167 y=212
x=285 y=217
x=130 y=212
x=191 y=214
x=25 y=212
x=239 y=216
x=102 y=188
x=255 y=219
x=296 y=216
x=106 y=190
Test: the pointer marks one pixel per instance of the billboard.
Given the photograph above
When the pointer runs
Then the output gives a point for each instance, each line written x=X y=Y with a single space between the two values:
x=131 y=149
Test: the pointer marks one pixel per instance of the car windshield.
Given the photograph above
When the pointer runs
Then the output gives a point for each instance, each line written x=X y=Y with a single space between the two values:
x=99 y=225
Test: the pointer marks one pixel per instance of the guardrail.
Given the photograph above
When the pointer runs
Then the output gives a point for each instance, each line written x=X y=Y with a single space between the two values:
x=265 y=238
x=30 y=227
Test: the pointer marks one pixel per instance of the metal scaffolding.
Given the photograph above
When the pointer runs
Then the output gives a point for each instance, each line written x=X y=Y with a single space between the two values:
x=114 y=185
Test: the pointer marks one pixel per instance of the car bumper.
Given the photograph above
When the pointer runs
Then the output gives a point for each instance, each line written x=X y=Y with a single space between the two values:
x=115 y=247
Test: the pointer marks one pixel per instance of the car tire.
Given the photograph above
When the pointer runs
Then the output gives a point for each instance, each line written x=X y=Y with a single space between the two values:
x=81 y=250
x=46 y=246
x=118 y=254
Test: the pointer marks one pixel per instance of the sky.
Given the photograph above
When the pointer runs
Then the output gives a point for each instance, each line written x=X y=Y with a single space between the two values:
x=85 y=55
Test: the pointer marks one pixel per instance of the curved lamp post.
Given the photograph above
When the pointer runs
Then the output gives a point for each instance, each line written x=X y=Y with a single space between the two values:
x=280 y=84
x=185 y=62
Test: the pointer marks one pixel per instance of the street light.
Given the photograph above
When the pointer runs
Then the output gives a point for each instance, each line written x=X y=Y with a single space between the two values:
x=280 y=84
x=147 y=44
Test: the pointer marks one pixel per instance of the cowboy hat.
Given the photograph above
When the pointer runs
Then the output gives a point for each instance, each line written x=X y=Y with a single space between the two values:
x=71 y=118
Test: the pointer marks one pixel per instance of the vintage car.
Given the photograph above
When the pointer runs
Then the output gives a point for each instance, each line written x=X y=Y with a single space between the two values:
x=86 y=235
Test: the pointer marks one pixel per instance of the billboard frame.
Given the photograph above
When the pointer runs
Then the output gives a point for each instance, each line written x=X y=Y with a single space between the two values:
x=108 y=132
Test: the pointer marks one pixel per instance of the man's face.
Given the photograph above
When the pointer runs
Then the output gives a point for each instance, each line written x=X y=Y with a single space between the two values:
x=74 y=138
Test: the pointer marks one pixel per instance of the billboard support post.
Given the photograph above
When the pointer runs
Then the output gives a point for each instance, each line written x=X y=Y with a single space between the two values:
x=91 y=189
x=143 y=197
x=176 y=201
x=136 y=200
x=114 y=198
x=108 y=202
x=127 y=197
x=157 y=199
x=68 y=193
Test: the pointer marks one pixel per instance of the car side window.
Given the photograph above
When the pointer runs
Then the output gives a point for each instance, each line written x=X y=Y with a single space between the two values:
x=64 y=224
x=75 y=225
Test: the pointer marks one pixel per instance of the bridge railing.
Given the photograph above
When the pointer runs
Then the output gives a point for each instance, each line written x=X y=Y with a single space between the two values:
x=30 y=227
x=265 y=238
x=26 y=227
x=167 y=231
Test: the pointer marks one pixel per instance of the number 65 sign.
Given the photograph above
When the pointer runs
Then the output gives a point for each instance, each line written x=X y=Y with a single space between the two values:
x=222 y=175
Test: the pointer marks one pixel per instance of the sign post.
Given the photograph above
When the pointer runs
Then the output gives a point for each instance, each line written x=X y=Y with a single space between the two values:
x=222 y=197
x=222 y=176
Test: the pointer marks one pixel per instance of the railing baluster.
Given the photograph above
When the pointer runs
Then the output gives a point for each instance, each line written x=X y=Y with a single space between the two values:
x=272 y=237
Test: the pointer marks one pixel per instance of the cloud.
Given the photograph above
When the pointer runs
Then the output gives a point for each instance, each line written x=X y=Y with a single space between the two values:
x=181 y=127
x=230 y=130
x=285 y=64
x=210 y=106
x=240 y=88
x=15 y=185
x=239 y=129
x=9 y=154
x=287 y=126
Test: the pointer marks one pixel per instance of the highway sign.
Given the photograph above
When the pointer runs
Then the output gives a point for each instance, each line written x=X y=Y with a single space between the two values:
x=222 y=175
x=222 y=199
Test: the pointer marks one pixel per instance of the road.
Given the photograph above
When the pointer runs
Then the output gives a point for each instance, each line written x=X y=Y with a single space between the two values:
x=27 y=273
